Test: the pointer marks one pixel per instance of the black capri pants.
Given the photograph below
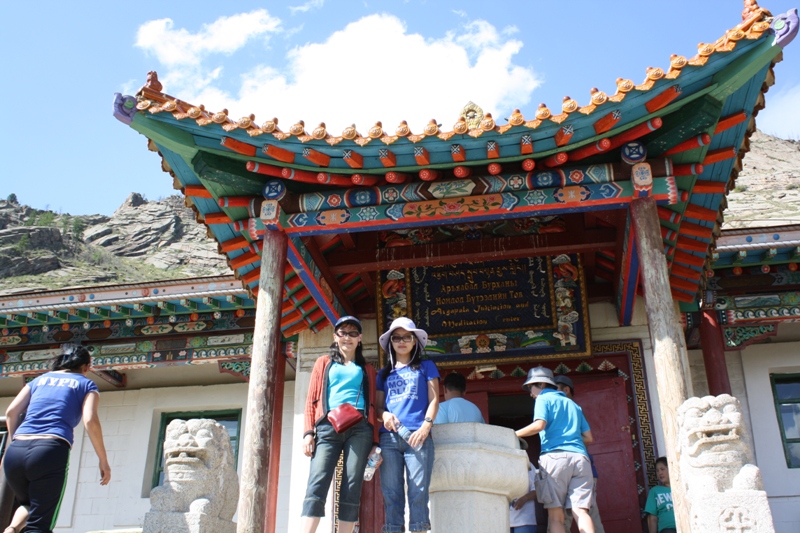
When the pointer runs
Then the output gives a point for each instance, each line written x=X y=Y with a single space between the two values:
x=36 y=470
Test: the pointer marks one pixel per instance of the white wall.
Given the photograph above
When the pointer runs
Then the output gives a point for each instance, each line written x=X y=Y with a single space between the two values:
x=781 y=483
x=130 y=421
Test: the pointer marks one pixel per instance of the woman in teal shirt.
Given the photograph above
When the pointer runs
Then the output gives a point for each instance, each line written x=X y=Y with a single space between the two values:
x=661 y=517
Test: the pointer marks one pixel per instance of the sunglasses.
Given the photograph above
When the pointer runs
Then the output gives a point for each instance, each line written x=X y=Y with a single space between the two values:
x=351 y=334
x=403 y=338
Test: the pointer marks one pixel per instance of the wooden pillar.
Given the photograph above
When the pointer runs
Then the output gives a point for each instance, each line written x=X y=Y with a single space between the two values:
x=714 y=354
x=254 y=480
x=275 y=450
x=669 y=352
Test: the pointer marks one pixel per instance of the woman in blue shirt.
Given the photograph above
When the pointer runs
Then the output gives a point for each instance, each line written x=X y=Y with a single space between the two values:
x=407 y=397
x=35 y=463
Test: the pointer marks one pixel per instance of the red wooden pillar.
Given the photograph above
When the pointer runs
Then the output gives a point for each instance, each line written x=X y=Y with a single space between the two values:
x=714 y=354
x=254 y=484
x=666 y=336
x=275 y=447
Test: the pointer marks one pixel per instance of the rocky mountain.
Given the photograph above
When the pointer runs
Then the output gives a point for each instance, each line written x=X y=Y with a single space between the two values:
x=142 y=241
x=150 y=240
x=767 y=191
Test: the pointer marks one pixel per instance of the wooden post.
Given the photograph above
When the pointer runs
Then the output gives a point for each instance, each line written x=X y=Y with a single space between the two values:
x=254 y=480
x=714 y=354
x=669 y=353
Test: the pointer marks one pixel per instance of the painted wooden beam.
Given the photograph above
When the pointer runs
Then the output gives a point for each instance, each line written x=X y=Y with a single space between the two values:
x=627 y=280
x=591 y=240
x=327 y=275
x=309 y=273
x=473 y=208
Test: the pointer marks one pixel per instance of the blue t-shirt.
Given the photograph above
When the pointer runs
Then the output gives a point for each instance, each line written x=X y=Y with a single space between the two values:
x=406 y=393
x=344 y=382
x=458 y=410
x=565 y=422
x=56 y=404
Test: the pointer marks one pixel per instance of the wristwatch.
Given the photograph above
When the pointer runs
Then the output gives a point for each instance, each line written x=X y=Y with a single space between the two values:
x=429 y=419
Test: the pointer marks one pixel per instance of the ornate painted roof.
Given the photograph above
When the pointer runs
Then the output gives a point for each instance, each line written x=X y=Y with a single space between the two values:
x=335 y=196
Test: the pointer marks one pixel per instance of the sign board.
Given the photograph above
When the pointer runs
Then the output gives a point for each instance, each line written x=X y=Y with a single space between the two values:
x=492 y=311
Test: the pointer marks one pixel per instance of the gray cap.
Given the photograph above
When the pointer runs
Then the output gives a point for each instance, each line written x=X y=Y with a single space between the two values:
x=564 y=380
x=538 y=374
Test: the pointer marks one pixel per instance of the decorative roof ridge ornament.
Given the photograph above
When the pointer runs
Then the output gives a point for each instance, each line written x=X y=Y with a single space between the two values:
x=472 y=115
x=751 y=9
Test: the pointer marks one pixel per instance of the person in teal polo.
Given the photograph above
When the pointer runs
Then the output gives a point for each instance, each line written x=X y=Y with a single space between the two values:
x=661 y=516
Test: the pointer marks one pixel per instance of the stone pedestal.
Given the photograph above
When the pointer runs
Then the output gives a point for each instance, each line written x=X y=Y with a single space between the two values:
x=160 y=522
x=478 y=470
x=733 y=511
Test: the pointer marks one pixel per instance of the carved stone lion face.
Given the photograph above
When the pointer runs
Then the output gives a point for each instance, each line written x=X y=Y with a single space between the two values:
x=193 y=450
x=711 y=431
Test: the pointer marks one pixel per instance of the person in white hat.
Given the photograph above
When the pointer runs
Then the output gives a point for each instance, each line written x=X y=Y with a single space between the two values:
x=407 y=400
x=564 y=434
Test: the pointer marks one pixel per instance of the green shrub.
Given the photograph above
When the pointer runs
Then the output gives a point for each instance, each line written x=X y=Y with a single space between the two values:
x=740 y=188
x=78 y=227
x=47 y=218
x=23 y=244
x=12 y=199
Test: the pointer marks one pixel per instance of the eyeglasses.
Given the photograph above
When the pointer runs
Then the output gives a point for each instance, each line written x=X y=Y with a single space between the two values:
x=351 y=334
x=403 y=338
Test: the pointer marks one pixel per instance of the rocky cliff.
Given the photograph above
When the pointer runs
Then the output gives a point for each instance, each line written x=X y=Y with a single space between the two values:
x=143 y=240
x=767 y=191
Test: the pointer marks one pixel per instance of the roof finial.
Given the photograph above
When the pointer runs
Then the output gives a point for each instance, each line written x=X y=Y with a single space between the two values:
x=152 y=81
x=750 y=8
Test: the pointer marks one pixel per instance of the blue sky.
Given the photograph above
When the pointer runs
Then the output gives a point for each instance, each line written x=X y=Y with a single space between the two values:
x=322 y=60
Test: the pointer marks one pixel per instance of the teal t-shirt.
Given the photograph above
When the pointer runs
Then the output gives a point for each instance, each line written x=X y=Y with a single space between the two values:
x=565 y=422
x=344 y=382
x=659 y=503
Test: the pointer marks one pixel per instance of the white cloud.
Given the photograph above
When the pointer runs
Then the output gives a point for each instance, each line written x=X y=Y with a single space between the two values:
x=460 y=12
x=308 y=6
x=180 y=48
x=781 y=117
x=372 y=70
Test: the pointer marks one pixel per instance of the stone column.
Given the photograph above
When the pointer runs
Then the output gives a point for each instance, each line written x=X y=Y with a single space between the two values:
x=478 y=470
x=714 y=354
x=254 y=483
x=669 y=348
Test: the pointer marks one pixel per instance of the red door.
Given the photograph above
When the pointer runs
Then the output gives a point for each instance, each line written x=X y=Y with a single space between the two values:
x=604 y=403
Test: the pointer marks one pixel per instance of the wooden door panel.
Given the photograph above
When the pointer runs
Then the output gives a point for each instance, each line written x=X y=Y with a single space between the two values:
x=604 y=403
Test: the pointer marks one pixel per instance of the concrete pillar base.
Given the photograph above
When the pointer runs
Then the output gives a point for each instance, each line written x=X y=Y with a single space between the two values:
x=478 y=470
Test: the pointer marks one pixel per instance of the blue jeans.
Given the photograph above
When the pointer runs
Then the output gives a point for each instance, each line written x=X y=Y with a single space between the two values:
x=356 y=444
x=523 y=529
x=397 y=456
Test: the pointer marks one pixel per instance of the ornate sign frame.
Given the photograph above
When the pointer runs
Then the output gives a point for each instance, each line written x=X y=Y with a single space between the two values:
x=560 y=331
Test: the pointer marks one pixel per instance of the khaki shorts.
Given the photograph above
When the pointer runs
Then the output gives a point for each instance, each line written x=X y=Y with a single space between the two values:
x=571 y=477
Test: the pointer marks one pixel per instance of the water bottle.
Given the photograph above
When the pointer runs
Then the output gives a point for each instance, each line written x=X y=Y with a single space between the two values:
x=405 y=433
x=372 y=463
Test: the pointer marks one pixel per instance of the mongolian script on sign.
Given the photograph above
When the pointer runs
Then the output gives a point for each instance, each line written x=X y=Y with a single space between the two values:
x=489 y=296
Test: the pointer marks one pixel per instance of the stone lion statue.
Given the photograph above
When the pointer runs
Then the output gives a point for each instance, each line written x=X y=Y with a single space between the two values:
x=714 y=449
x=725 y=492
x=199 y=475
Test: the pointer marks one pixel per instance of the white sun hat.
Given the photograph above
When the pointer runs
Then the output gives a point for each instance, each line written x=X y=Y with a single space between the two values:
x=408 y=325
